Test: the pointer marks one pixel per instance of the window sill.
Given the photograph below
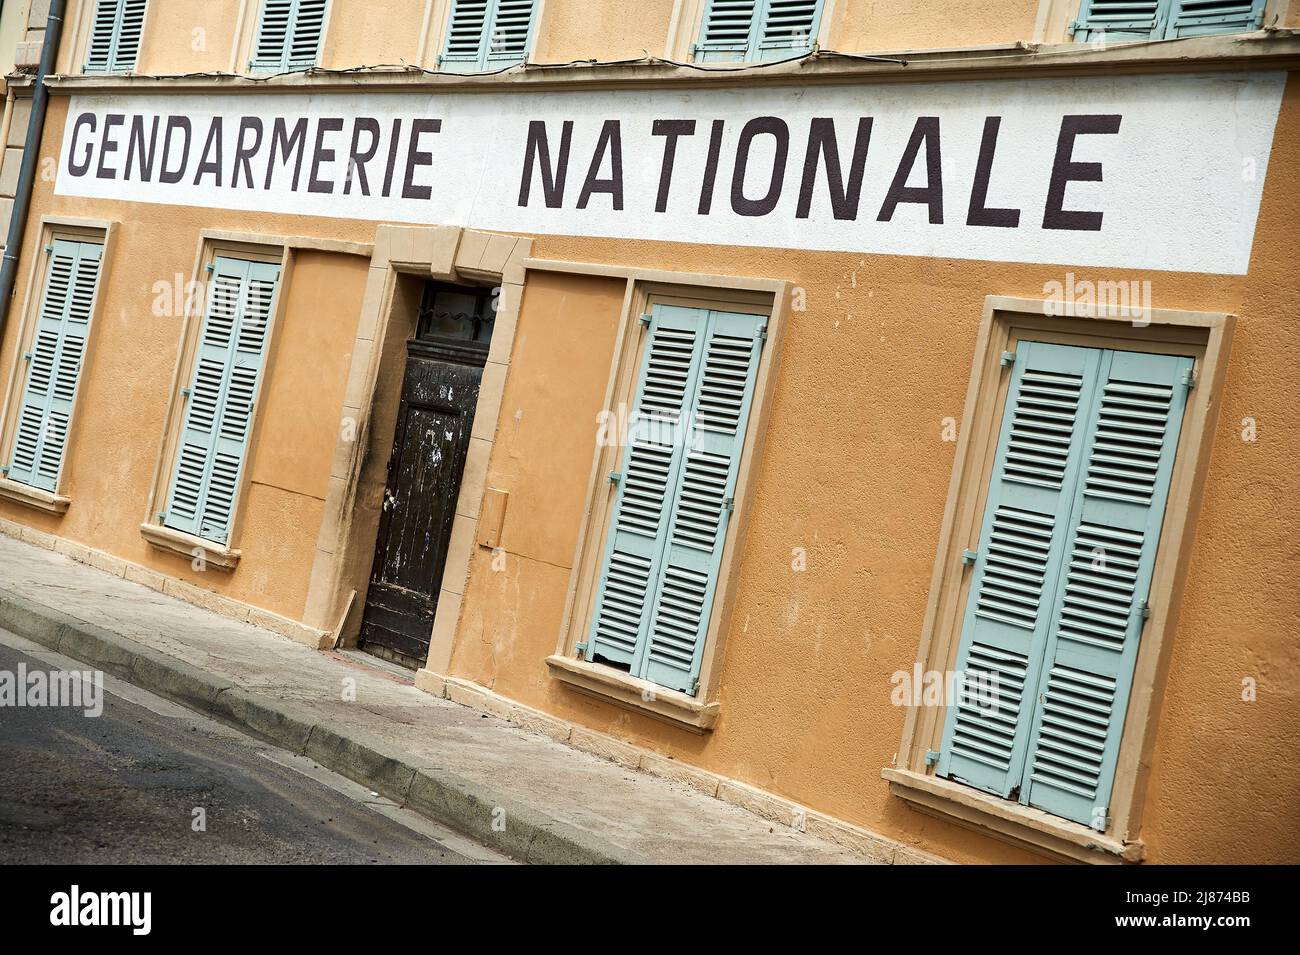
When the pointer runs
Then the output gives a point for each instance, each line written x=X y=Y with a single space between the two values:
x=640 y=695
x=184 y=544
x=1009 y=820
x=33 y=497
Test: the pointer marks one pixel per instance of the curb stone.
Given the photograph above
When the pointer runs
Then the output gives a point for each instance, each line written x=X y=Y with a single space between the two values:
x=528 y=835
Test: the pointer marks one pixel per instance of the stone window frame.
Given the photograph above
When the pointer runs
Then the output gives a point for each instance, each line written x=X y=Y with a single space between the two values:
x=53 y=227
x=645 y=287
x=211 y=244
x=344 y=546
x=1206 y=337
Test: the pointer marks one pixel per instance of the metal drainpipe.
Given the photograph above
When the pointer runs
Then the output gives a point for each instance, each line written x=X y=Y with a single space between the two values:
x=27 y=171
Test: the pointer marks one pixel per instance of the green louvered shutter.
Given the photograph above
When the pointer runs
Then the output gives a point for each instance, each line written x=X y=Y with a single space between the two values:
x=1121 y=19
x=1021 y=543
x=757 y=29
x=219 y=409
x=115 y=36
x=675 y=495
x=702 y=501
x=727 y=29
x=1098 y=610
x=54 y=365
x=1201 y=17
x=788 y=28
x=651 y=460
x=289 y=34
x=488 y=34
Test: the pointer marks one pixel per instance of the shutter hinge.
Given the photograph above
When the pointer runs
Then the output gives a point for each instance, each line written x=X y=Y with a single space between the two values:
x=1189 y=379
x=1008 y=358
x=4 y=469
x=162 y=517
x=646 y=318
x=49 y=249
x=580 y=648
x=728 y=504
x=185 y=392
x=931 y=757
x=210 y=268
x=1144 y=610
x=969 y=556
x=1100 y=818
x=762 y=333
x=615 y=477
x=27 y=356
x=695 y=686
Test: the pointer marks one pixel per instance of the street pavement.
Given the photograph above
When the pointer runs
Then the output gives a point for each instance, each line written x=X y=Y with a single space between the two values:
x=132 y=785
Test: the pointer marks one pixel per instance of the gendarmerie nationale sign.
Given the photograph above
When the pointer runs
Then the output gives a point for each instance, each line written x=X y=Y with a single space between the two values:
x=1154 y=172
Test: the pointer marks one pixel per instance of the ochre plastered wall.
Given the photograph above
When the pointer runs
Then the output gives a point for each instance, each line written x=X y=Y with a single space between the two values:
x=855 y=472
x=126 y=386
x=580 y=29
x=893 y=25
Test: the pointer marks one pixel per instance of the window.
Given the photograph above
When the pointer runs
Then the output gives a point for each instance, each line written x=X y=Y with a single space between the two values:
x=219 y=404
x=1060 y=580
x=488 y=34
x=757 y=29
x=675 y=493
x=115 y=36
x=288 y=35
x=1165 y=19
x=54 y=363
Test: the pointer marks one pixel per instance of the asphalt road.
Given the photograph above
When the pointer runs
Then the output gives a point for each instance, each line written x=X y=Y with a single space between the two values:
x=124 y=787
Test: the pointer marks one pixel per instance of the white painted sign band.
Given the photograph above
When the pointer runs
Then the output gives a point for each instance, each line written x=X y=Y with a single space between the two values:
x=1129 y=172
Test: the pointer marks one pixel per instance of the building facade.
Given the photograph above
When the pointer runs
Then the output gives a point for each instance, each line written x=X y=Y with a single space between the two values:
x=875 y=414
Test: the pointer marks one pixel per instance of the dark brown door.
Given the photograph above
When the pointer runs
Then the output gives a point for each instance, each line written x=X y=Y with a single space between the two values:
x=432 y=435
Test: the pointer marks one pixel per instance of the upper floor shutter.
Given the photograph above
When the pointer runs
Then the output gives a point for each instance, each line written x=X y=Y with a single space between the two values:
x=1100 y=599
x=674 y=499
x=1163 y=19
x=789 y=27
x=1199 y=17
x=54 y=363
x=488 y=34
x=1021 y=543
x=219 y=410
x=757 y=29
x=115 y=36
x=289 y=34
x=1121 y=19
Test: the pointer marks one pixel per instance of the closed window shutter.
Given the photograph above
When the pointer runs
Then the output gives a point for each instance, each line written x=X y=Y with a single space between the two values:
x=1021 y=543
x=1201 y=17
x=670 y=516
x=115 y=36
x=54 y=368
x=757 y=29
x=1121 y=19
x=219 y=410
x=289 y=34
x=727 y=29
x=488 y=34
x=1165 y=19
x=789 y=28
x=1100 y=599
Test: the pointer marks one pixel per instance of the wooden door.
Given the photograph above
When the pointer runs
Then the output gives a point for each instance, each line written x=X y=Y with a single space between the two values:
x=429 y=446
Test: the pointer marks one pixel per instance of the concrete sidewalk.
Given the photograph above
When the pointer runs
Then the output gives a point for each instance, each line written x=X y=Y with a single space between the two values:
x=522 y=793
